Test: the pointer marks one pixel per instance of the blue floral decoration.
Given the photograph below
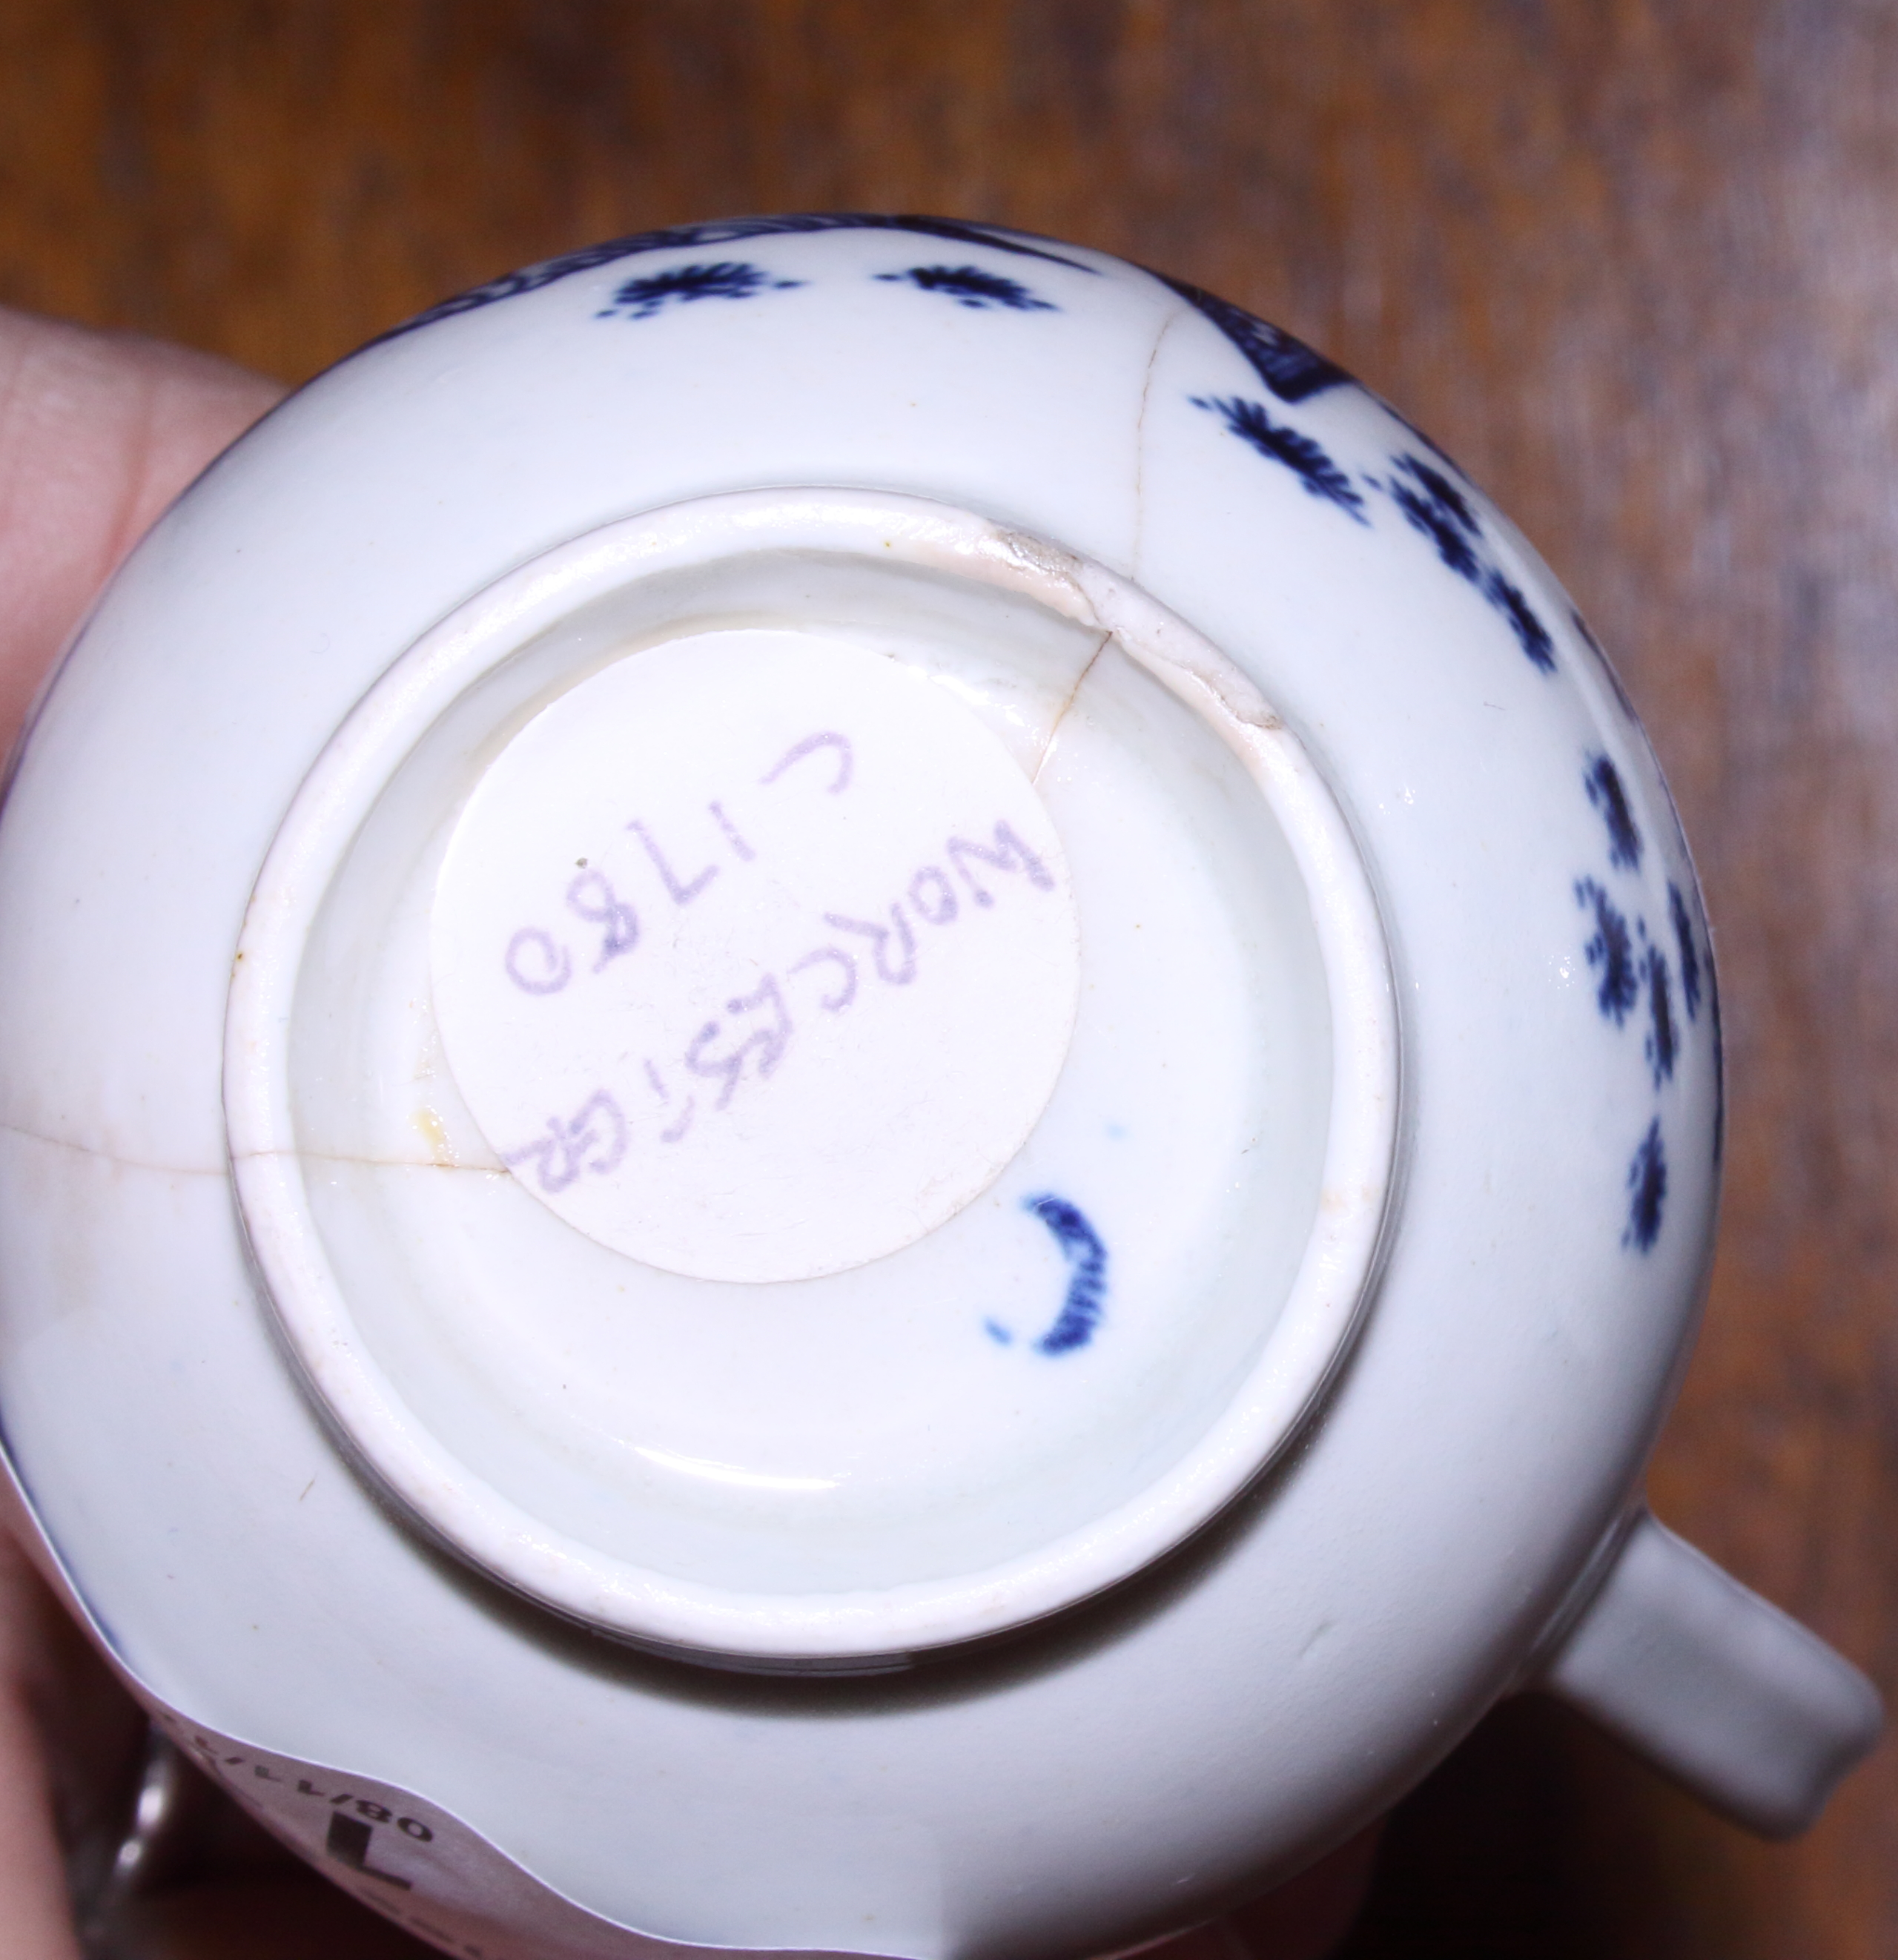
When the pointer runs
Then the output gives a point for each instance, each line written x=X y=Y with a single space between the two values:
x=1610 y=952
x=1306 y=458
x=1603 y=782
x=1435 y=506
x=1647 y=1190
x=727 y=231
x=729 y=279
x=1429 y=498
x=1632 y=970
x=970 y=286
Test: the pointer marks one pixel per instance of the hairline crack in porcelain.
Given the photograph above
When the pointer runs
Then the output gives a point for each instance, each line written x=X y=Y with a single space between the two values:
x=1335 y=1226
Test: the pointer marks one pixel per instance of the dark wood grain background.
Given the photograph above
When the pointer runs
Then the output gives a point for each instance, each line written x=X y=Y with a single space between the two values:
x=1636 y=264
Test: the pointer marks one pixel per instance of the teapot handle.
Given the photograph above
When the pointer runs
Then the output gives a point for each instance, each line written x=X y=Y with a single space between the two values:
x=1716 y=1688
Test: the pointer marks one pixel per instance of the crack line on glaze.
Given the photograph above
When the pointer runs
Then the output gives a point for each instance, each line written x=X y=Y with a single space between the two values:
x=1167 y=326
x=360 y=1162
x=1062 y=713
x=99 y=1155
x=1290 y=369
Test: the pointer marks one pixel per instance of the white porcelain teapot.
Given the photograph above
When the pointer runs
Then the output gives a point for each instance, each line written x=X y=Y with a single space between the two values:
x=861 y=1095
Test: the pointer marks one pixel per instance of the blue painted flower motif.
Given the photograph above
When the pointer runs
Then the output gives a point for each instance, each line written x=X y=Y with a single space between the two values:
x=1648 y=1191
x=1631 y=968
x=1432 y=505
x=970 y=286
x=1429 y=498
x=726 y=231
x=1307 y=460
x=1532 y=635
x=729 y=279
x=1610 y=952
x=1603 y=782
x=1292 y=370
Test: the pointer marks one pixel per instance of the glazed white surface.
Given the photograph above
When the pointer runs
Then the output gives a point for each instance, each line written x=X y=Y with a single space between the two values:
x=1226 y=1109
x=1132 y=1766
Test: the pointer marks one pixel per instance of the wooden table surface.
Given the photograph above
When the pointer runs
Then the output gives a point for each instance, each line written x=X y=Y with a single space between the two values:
x=1634 y=264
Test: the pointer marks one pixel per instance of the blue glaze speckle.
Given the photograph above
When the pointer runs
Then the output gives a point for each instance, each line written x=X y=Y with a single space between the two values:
x=1532 y=635
x=1610 y=952
x=1306 y=460
x=1631 y=968
x=1662 y=1041
x=729 y=279
x=1603 y=782
x=1648 y=1191
x=1435 y=507
x=1689 y=952
x=970 y=286
x=1086 y=1256
x=1293 y=371
x=998 y=1333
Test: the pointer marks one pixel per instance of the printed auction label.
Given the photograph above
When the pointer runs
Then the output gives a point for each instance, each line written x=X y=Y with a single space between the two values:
x=414 y=1862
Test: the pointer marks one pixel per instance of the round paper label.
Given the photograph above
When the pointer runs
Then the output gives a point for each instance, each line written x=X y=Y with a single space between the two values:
x=755 y=955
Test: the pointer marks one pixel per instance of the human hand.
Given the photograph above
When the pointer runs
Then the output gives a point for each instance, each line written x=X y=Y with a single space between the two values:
x=98 y=433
